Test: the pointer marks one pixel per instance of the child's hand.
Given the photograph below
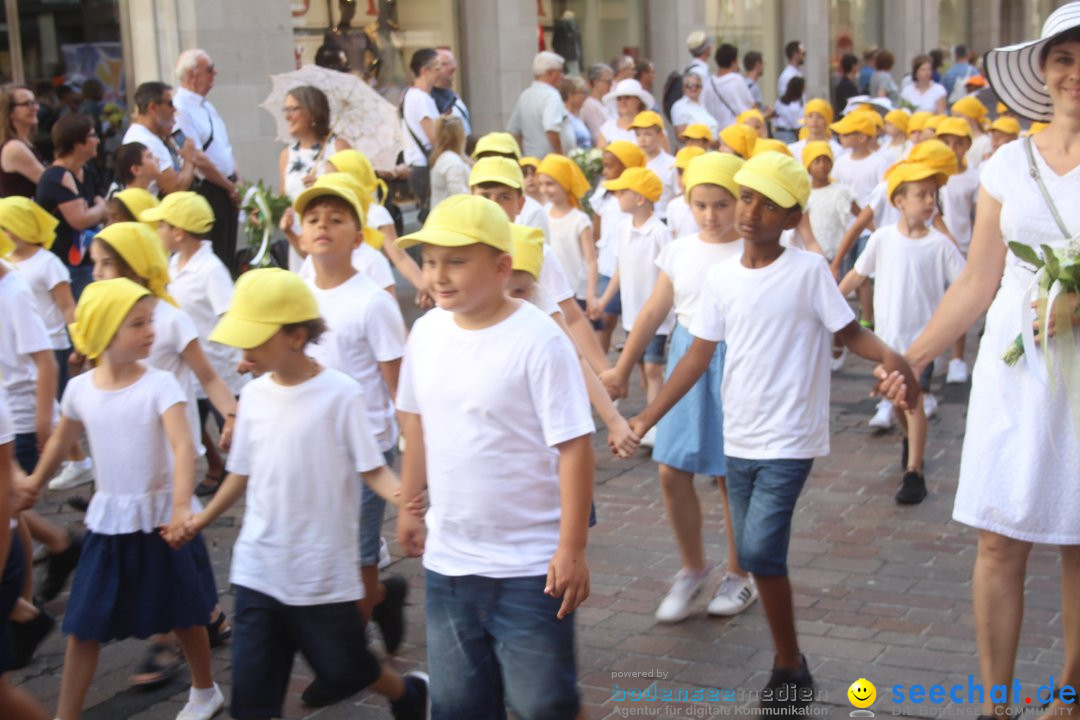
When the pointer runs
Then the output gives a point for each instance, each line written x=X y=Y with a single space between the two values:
x=287 y=218
x=621 y=439
x=418 y=505
x=410 y=532
x=616 y=386
x=42 y=430
x=595 y=311
x=897 y=383
x=424 y=301
x=227 y=433
x=568 y=578
x=26 y=492
x=244 y=367
x=638 y=426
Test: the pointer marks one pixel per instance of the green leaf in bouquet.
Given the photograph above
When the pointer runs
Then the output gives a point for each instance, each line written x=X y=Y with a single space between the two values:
x=1026 y=253
x=1053 y=267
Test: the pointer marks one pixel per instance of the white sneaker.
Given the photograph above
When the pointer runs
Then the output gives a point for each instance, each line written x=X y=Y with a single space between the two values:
x=735 y=594
x=649 y=438
x=384 y=554
x=838 y=362
x=883 y=418
x=676 y=604
x=929 y=404
x=73 y=474
x=200 y=711
x=958 y=372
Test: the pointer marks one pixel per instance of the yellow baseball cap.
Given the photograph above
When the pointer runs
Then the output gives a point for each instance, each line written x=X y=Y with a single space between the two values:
x=340 y=185
x=102 y=308
x=1035 y=128
x=28 y=220
x=954 y=126
x=713 y=168
x=501 y=170
x=686 y=154
x=527 y=249
x=856 y=122
x=899 y=119
x=263 y=301
x=567 y=174
x=739 y=138
x=529 y=161
x=137 y=201
x=500 y=143
x=778 y=177
x=764 y=145
x=1007 y=125
x=934 y=121
x=356 y=163
x=643 y=181
x=819 y=106
x=918 y=120
x=933 y=153
x=697 y=131
x=813 y=150
x=629 y=154
x=906 y=172
x=647 y=119
x=186 y=210
x=751 y=114
x=970 y=107
x=462 y=220
x=141 y=249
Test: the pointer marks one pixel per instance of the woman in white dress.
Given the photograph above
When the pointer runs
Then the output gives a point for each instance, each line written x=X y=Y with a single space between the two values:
x=1020 y=469
x=923 y=93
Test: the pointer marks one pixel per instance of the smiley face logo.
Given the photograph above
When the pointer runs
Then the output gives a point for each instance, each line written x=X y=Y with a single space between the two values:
x=862 y=693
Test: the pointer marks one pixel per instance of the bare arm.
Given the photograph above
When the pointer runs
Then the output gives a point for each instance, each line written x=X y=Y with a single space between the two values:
x=45 y=394
x=866 y=344
x=401 y=259
x=428 y=126
x=169 y=180
x=18 y=158
x=852 y=281
x=690 y=368
x=862 y=222
x=806 y=234
x=646 y=324
x=568 y=573
x=7 y=498
x=609 y=292
x=410 y=529
x=56 y=449
x=588 y=251
x=178 y=435
x=582 y=334
x=217 y=391
x=65 y=301
x=390 y=371
x=555 y=141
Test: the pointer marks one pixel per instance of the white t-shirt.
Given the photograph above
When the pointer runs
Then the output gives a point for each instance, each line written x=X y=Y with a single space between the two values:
x=7 y=429
x=687 y=112
x=43 y=271
x=366 y=260
x=204 y=289
x=958 y=198
x=859 y=175
x=679 y=218
x=789 y=115
x=664 y=167
x=910 y=278
x=494 y=404
x=980 y=146
x=21 y=333
x=790 y=71
x=612 y=132
x=534 y=215
x=830 y=215
x=139 y=133
x=378 y=216
x=725 y=97
x=417 y=105
x=363 y=328
x=686 y=262
x=924 y=100
x=133 y=463
x=774 y=407
x=173 y=332
x=891 y=154
x=302 y=448
x=606 y=206
x=565 y=241
x=636 y=250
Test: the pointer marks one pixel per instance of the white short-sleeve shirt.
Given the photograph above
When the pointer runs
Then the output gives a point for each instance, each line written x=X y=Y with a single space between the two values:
x=364 y=327
x=687 y=112
x=494 y=403
x=606 y=206
x=636 y=250
x=21 y=333
x=540 y=110
x=774 y=408
x=173 y=332
x=680 y=220
x=366 y=260
x=43 y=271
x=860 y=175
x=958 y=197
x=686 y=262
x=416 y=106
x=664 y=167
x=830 y=215
x=302 y=448
x=378 y=216
x=923 y=99
x=565 y=242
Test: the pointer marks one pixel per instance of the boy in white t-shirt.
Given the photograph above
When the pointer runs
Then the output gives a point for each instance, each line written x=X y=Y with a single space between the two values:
x=365 y=339
x=649 y=128
x=679 y=218
x=497 y=426
x=912 y=264
x=571 y=236
x=302 y=450
x=771 y=304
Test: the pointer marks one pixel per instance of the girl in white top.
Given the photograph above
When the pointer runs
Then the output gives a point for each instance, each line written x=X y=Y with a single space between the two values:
x=832 y=205
x=129 y=581
x=570 y=236
x=690 y=438
x=449 y=168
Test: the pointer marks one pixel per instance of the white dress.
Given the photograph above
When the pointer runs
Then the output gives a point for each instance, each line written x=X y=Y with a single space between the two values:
x=1018 y=471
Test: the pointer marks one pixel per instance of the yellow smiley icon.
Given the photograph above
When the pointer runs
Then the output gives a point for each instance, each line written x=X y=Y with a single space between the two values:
x=862 y=693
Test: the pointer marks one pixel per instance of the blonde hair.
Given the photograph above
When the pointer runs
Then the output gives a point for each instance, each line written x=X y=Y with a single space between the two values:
x=449 y=137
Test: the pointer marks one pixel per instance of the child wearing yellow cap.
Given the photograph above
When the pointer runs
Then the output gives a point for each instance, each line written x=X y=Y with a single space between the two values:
x=832 y=204
x=495 y=414
x=531 y=212
x=302 y=454
x=529 y=168
x=697 y=135
x=1003 y=130
x=754 y=120
x=680 y=220
x=570 y=231
x=127 y=204
x=737 y=140
x=912 y=265
x=690 y=438
x=817 y=116
x=649 y=128
x=770 y=305
x=130 y=582
x=860 y=168
x=971 y=109
x=895 y=127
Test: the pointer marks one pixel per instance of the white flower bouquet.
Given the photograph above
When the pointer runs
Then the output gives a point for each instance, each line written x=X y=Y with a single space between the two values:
x=1057 y=273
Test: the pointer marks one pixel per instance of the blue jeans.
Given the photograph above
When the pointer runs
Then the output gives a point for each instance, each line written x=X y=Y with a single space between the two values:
x=81 y=276
x=762 y=496
x=26 y=452
x=372 y=509
x=493 y=642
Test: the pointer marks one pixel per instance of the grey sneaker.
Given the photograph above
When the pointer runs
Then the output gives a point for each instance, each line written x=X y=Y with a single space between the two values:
x=735 y=594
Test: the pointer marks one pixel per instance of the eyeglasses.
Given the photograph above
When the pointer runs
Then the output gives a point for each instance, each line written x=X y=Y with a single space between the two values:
x=290 y=109
x=27 y=103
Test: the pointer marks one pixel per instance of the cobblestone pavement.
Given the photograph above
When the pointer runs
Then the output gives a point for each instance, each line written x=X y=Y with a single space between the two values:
x=881 y=591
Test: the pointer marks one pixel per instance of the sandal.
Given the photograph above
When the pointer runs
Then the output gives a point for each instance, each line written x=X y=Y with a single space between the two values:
x=219 y=630
x=161 y=664
x=210 y=484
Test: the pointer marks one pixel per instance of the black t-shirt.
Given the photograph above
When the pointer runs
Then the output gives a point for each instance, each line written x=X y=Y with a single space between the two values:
x=51 y=193
x=845 y=89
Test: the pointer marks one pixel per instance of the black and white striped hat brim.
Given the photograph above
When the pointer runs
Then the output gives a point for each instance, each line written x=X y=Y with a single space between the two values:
x=1014 y=72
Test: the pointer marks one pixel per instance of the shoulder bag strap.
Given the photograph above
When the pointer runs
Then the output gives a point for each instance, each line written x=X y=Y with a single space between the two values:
x=1034 y=171
x=716 y=92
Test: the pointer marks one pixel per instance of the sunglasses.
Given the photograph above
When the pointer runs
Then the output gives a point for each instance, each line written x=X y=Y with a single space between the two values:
x=691 y=87
x=27 y=103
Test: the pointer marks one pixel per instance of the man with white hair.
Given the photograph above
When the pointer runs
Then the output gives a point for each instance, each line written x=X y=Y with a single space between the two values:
x=446 y=100
x=540 y=120
x=199 y=120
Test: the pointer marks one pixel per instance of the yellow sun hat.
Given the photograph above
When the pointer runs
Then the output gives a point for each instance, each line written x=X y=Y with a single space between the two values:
x=462 y=220
x=1035 y=128
x=356 y=163
x=647 y=119
x=527 y=249
x=686 y=154
x=954 y=126
x=28 y=221
x=494 y=169
x=821 y=107
x=345 y=186
x=906 y=172
x=751 y=114
x=141 y=248
x=567 y=174
x=933 y=153
x=1007 y=125
x=713 y=168
x=781 y=178
x=764 y=145
x=629 y=154
x=643 y=181
x=899 y=119
x=934 y=121
x=917 y=121
x=739 y=138
x=264 y=300
x=186 y=210
x=856 y=122
x=101 y=310
x=500 y=143
x=696 y=131
x=970 y=107
x=529 y=161
x=813 y=150
x=137 y=201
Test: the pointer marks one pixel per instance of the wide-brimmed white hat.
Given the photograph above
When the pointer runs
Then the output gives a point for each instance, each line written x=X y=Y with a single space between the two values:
x=1014 y=71
x=631 y=87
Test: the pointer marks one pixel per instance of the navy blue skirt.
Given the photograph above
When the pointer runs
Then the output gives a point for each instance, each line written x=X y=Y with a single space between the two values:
x=135 y=585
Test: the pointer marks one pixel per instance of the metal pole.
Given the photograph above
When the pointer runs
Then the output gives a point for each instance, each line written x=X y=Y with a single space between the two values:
x=18 y=71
